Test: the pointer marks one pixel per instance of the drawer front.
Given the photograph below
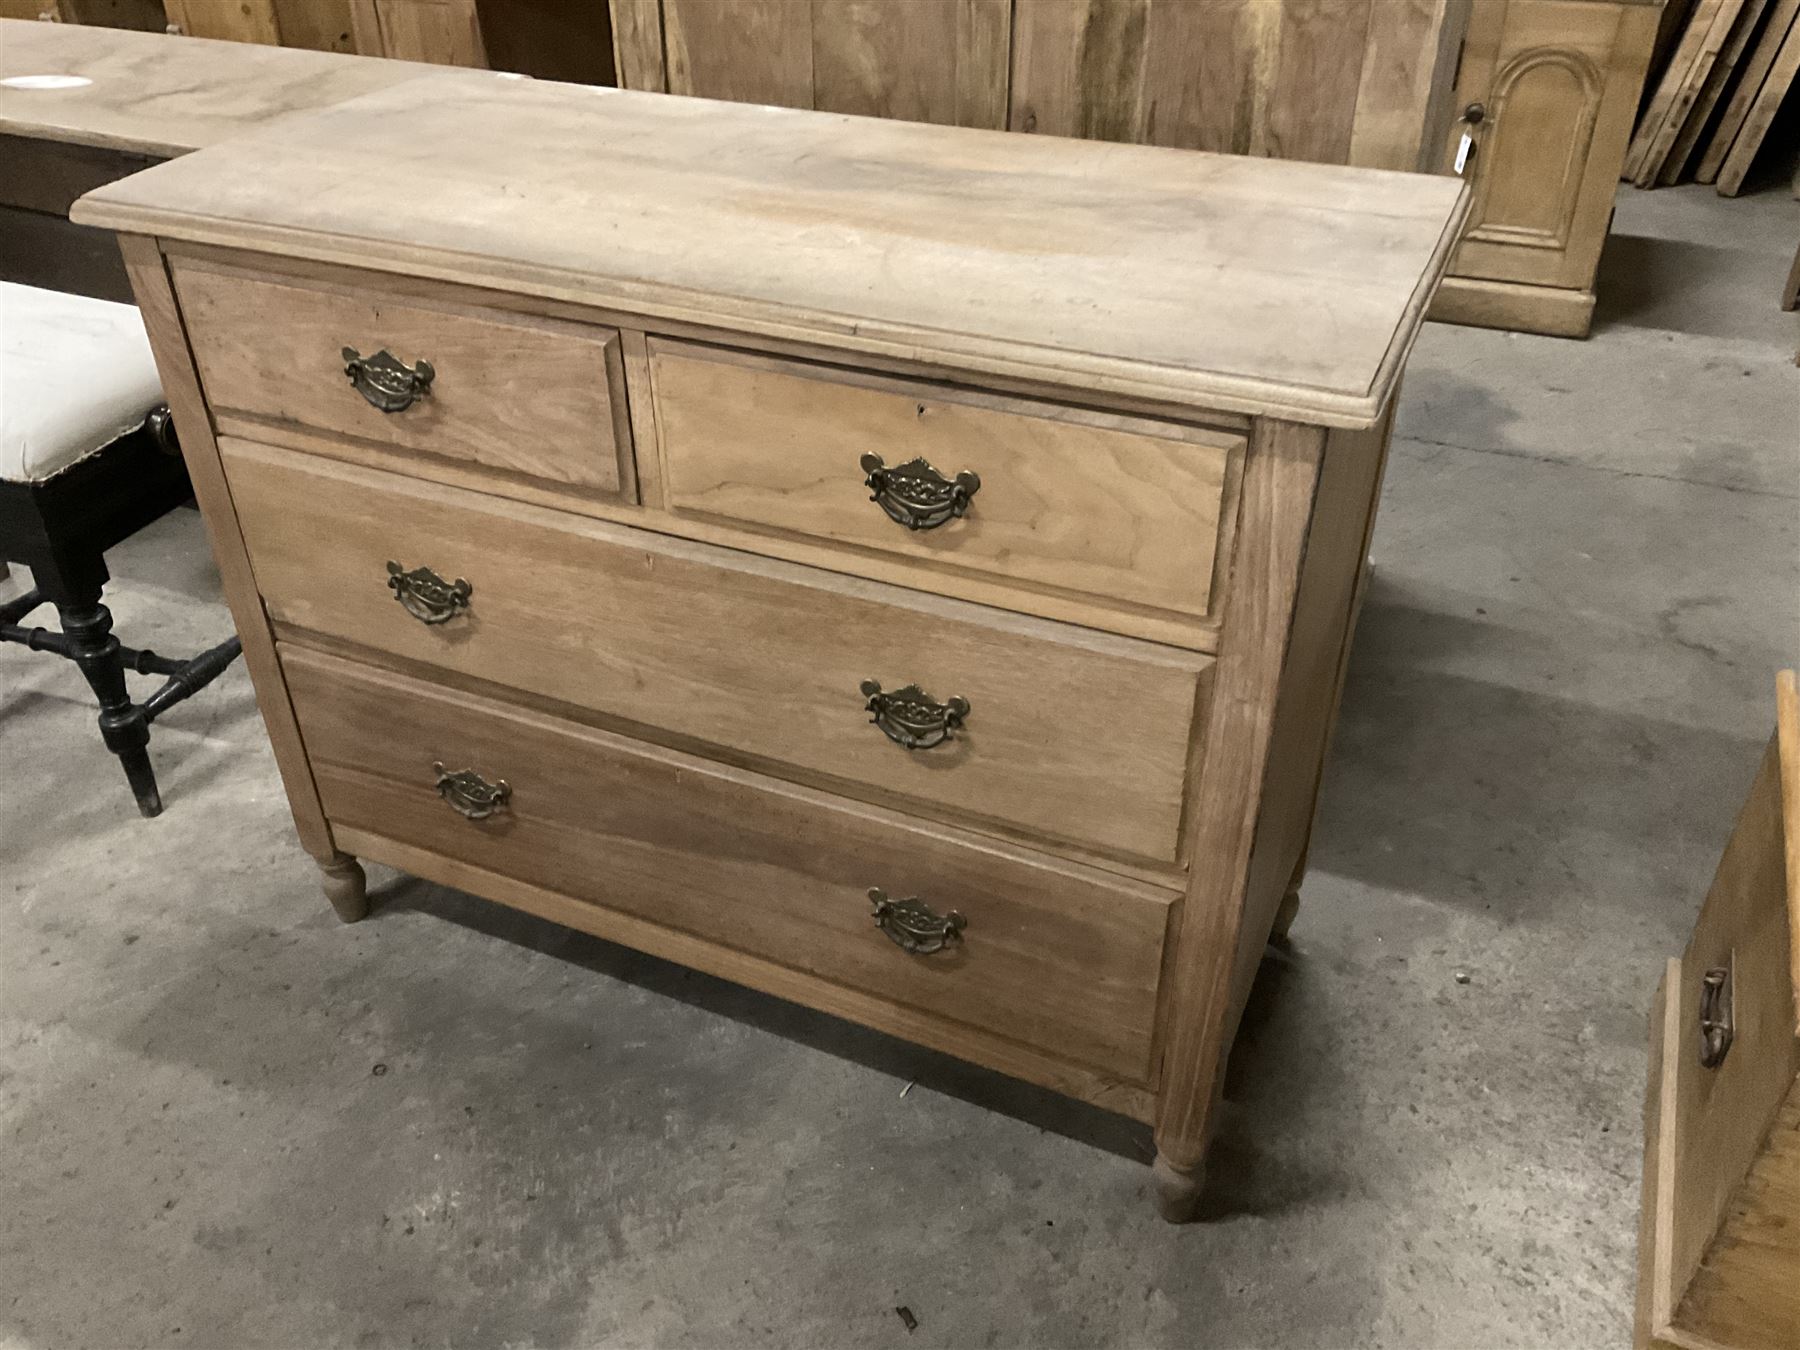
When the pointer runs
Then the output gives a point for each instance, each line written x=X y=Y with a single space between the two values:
x=1071 y=735
x=521 y=397
x=1125 y=510
x=1744 y=933
x=1056 y=956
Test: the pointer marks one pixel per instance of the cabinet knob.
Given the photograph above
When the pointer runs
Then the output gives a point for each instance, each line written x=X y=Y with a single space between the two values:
x=913 y=925
x=1474 y=114
x=386 y=381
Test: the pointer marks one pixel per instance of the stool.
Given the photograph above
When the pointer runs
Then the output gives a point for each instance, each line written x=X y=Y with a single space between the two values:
x=88 y=458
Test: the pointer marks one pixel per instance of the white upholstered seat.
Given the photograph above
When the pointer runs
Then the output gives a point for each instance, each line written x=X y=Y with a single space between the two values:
x=75 y=375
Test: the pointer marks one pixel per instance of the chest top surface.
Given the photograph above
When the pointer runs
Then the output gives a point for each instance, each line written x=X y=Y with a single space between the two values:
x=1251 y=285
x=157 y=94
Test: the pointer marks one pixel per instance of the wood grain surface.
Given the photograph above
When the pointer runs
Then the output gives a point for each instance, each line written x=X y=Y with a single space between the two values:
x=524 y=396
x=1240 y=284
x=161 y=95
x=1054 y=956
x=1072 y=735
x=1125 y=510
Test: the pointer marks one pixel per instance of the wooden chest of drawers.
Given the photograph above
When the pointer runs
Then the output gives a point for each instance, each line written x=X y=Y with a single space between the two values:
x=902 y=568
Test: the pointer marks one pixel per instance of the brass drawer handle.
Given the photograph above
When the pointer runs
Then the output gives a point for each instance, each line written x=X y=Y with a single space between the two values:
x=426 y=595
x=916 y=495
x=913 y=925
x=1715 y=1016
x=911 y=717
x=386 y=381
x=470 y=794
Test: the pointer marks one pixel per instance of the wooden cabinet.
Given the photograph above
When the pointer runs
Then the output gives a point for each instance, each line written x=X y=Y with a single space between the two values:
x=1337 y=81
x=934 y=614
x=1546 y=95
x=1719 y=1245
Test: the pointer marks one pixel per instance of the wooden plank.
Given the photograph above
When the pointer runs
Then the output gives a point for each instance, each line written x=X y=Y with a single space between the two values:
x=226 y=20
x=1674 y=76
x=1269 y=287
x=1281 y=478
x=181 y=387
x=938 y=61
x=1655 y=1301
x=1318 y=77
x=1078 y=68
x=1718 y=79
x=318 y=25
x=1726 y=19
x=1204 y=76
x=984 y=62
x=1311 y=678
x=434 y=32
x=1768 y=102
x=1749 y=83
x=752 y=51
x=637 y=32
x=1404 y=102
x=1787 y=742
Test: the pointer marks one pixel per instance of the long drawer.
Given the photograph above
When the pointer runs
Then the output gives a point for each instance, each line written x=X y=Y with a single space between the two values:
x=515 y=396
x=1060 y=501
x=1074 y=736
x=1049 y=954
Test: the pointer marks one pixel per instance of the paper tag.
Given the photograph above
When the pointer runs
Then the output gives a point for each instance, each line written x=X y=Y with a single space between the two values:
x=1464 y=148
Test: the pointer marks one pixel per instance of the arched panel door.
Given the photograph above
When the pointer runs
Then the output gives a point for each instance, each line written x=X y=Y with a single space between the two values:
x=1540 y=128
x=1548 y=89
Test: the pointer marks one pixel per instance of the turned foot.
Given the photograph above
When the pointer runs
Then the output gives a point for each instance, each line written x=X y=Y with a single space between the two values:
x=346 y=887
x=1284 y=917
x=1177 y=1189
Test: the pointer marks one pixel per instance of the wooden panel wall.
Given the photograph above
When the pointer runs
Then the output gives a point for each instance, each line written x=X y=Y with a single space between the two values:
x=1340 y=81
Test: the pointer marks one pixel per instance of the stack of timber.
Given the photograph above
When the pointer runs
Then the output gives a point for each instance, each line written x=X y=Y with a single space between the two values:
x=1718 y=95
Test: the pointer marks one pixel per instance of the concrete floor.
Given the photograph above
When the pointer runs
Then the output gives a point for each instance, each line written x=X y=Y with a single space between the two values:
x=227 y=1121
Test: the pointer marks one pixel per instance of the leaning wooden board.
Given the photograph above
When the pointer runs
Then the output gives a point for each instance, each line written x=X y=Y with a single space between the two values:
x=1719 y=1255
x=1749 y=83
x=1769 y=100
x=973 y=562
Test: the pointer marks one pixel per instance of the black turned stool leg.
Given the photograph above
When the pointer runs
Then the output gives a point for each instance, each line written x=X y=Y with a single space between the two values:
x=123 y=725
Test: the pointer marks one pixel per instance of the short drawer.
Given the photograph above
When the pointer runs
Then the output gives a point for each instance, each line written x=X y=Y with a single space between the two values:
x=1056 y=956
x=1072 y=735
x=1057 y=501
x=517 y=396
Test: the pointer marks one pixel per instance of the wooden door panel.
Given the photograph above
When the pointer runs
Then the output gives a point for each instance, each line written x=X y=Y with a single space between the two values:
x=1558 y=82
